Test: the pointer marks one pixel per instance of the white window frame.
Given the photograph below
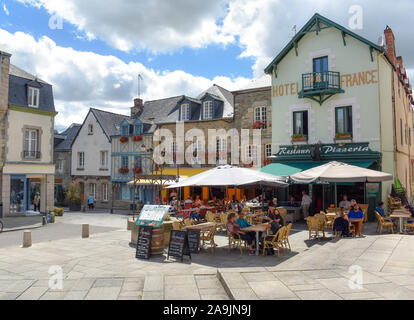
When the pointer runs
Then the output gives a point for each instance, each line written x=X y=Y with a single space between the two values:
x=185 y=112
x=221 y=147
x=251 y=153
x=268 y=150
x=90 y=128
x=33 y=96
x=197 y=145
x=60 y=165
x=260 y=114
x=29 y=140
x=105 y=192
x=81 y=160
x=104 y=157
x=208 y=110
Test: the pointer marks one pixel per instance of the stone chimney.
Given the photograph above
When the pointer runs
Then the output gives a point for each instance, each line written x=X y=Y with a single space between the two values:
x=138 y=107
x=4 y=82
x=390 y=41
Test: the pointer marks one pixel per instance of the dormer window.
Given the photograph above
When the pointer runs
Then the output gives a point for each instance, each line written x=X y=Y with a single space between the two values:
x=33 y=97
x=138 y=129
x=208 y=110
x=125 y=130
x=185 y=112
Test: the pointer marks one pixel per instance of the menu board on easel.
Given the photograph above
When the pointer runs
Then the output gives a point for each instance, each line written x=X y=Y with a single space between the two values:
x=193 y=237
x=152 y=216
x=178 y=247
x=144 y=243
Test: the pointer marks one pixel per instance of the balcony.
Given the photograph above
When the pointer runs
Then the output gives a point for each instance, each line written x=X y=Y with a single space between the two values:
x=320 y=86
x=31 y=155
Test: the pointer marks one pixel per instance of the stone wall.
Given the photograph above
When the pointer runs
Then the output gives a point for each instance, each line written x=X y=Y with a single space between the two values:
x=99 y=181
x=65 y=175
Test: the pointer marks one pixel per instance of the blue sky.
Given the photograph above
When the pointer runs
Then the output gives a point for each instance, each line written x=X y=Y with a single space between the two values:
x=178 y=46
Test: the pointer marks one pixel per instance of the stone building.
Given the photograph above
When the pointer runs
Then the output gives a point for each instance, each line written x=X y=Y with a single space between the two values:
x=26 y=132
x=63 y=160
x=253 y=109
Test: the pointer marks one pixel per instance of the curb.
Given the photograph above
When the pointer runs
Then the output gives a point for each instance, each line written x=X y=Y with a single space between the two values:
x=35 y=226
x=225 y=286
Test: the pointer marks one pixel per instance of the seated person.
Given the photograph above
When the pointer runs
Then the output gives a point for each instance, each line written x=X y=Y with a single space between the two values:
x=237 y=233
x=341 y=224
x=241 y=220
x=273 y=227
x=357 y=216
x=274 y=215
x=345 y=203
x=275 y=203
x=353 y=204
x=381 y=210
x=292 y=202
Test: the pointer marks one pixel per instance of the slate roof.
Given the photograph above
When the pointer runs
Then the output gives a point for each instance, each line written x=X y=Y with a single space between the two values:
x=67 y=137
x=18 y=82
x=261 y=82
x=223 y=95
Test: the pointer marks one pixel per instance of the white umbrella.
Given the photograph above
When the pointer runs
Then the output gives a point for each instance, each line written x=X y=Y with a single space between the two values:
x=231 y=176
x=340 y=172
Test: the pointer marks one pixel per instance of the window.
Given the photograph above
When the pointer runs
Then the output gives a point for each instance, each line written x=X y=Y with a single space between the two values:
x=33 y=97
x=197 y=150
x=81 y=160
x=105 y=192
x=138 y=129
x=138 y=161
x=31 y=144
x=104 y=159
x=124 y=162
x=221 y=150
x=268 y=151
x=260 y=114
x=90 y=129
x=60 y=163
x=251 y=155
x=185 y=112
x=125 y=130
x=92 y=189
x=300 y=123
x=343 y=120
x=208 y=110
x=173 y=147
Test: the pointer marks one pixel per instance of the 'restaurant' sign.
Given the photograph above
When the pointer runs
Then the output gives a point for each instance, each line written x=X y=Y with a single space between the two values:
x=327 y=150
x=152 y=216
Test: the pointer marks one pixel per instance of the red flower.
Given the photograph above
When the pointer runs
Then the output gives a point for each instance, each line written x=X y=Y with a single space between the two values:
x=137 y=138
x=137 y=170
x=123 y=170
x=123 y=139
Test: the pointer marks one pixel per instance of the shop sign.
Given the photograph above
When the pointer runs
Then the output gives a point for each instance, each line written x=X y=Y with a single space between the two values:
x=152 y=216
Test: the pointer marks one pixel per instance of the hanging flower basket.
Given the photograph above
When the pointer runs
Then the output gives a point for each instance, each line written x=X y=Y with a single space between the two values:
x=137 y=138
x=259 y=125
x=137 y=170
x=123 y=170
x=123 y=139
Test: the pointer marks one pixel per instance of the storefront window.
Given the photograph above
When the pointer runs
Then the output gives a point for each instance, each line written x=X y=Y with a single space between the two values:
x=17 y=195
x=343 y=119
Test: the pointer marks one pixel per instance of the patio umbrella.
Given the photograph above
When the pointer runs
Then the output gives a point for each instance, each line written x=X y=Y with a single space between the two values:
x=231 y=176
x=335 y=172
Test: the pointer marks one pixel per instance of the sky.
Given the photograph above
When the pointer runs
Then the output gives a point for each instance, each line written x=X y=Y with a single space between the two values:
x=92 y=51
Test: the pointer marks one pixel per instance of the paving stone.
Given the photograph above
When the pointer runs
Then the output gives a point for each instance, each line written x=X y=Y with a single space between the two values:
x=108 y=283
x=271 y=290
x=174 y=281
x=181 y=293
x=136 y=294
x=9 y=295
x=305 y=287
x=212 y=291
x=154 y=283
x=367 y=295
x=215 y=297
x=53 y=295
x=33 y=293
x=320 y=294
x=208 y=282
x=402 y=280
x=391 y=291
x=342 y=285
x=258 y=276
x=75 y=295
x=83 y=284
x=153 y=295
x=243 y=294
x=103 y=293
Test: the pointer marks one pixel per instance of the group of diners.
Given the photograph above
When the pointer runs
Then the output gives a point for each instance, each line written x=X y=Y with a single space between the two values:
x=236 y=224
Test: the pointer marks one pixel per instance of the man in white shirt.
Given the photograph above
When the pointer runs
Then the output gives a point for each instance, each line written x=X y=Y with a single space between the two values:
x=306 y=202
x=345 y=203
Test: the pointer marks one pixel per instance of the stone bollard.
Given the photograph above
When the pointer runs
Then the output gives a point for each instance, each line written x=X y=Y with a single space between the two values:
x=44 y=220
x=27 y=239
x=85 y=231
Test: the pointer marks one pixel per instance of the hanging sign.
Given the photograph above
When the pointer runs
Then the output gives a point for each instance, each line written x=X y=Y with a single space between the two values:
x=152 y=216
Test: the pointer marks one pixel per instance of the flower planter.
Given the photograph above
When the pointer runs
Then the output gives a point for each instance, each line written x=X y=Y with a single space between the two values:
x=302 y=139
x=74 y=207
x=123 y=140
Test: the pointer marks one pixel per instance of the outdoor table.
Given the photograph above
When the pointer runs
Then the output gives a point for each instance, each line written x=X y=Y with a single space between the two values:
x=259 y=228
x=401 y=215
x=201 y=226
x=331 y=215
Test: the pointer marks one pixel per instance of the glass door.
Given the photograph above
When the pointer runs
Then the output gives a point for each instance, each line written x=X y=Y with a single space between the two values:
x=320 y=73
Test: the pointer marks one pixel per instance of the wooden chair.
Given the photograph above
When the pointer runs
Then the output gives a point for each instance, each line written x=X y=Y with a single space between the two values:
x=364 y=208
x=210 y=217
x=223 y=222
x=177 y=225
x=188 y=222
x=333 y=210
x=408 y=226
x=352 y=230
x=283 y=213
x=384 y=223
x=274 y=242
x=285 y=240
x=394 y=203
x=209 y=238
x=236 y=242
x=316 y=224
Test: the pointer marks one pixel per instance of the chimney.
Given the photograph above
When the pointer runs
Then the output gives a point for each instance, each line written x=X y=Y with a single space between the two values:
x=137 y=109
x=390 y=41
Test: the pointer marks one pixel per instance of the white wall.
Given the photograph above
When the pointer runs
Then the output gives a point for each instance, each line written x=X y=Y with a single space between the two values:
x=92 y=145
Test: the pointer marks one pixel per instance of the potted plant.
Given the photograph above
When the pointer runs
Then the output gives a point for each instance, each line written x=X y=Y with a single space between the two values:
x=123 y=170
x=137 y=170
x=137 y=138
x=343 y=136
x=73 y=195
x=123 y=139
x=299 y=137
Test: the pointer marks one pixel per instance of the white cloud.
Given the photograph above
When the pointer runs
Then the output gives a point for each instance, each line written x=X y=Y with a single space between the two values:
x=86 y=79
x=6 y=11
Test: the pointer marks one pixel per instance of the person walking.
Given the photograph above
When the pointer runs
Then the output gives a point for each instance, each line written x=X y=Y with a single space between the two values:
x=306 y=203
x=36 y=202
x=91 y=202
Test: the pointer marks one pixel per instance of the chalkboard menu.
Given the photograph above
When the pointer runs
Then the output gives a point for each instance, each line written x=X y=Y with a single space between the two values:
x=152 y=216
x=193 y=240
x=144 y=243
x=178 y=247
